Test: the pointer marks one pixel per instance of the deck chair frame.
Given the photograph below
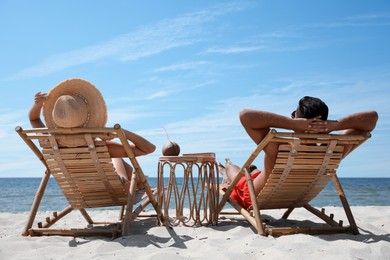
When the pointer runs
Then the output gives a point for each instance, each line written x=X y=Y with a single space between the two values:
x=99 y=176
x=304 y=165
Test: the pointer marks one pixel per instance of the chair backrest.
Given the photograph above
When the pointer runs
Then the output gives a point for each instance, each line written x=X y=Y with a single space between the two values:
x=305 y=164
x=84 y=172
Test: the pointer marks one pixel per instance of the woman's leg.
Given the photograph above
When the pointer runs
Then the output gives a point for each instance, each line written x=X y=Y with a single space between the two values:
x=123 y=173
x=129 y=172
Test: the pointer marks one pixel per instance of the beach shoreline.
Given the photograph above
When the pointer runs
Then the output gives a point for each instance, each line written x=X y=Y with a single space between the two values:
x=233 y=237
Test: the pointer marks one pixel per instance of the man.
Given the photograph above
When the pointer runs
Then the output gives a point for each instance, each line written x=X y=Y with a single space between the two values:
x=311 y=116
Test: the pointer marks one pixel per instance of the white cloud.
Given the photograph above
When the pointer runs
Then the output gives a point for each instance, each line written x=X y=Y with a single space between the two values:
x=203 y=84
x=28 y=167
x=173 y=33
x=127 y=114
x=182 y=66
x=363 y=20
x=369 y=16
x=234 y=50
x=220 y=131
x=158 y=94
x=12 y=117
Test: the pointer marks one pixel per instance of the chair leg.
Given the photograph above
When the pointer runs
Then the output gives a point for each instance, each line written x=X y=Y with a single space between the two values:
x=121 y=213
x=256 y=210
x=287 y=213
x=86 y=216
x=129 y=207
x=346 y=207
x=255 y=220
x=321 y=215
x=246 y=214
x=37 y=201
x=57 y=216
x=141 y=207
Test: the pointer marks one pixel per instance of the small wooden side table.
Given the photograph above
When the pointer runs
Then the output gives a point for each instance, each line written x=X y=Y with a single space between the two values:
x=190 y=200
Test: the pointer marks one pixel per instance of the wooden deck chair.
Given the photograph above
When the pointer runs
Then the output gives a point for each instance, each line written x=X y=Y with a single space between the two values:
x=305 y=164
x=88 y=179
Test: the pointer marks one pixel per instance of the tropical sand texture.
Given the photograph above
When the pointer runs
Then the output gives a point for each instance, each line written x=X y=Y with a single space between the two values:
x=232 y=238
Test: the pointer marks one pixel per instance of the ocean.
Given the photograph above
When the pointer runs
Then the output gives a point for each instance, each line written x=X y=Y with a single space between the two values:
x=17 y=194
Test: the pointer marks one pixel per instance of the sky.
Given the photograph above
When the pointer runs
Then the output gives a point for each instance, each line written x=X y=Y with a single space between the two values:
x=191 y=66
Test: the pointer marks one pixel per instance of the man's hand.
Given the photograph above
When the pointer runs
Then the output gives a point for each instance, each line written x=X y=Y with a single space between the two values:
x=317 y=126
x=321 y=126
x=311 y=126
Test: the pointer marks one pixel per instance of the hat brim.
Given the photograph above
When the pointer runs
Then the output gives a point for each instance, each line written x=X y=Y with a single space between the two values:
x=95 y=102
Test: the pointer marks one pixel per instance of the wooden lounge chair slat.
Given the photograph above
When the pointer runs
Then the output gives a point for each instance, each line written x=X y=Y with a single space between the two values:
x=85 y=174
x=305 y=164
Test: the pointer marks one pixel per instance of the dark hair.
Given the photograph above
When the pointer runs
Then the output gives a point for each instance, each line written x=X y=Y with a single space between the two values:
x=310 y=107
x=252 y=168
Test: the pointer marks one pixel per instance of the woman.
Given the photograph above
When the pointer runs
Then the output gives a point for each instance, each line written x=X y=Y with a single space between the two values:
x=78 y=103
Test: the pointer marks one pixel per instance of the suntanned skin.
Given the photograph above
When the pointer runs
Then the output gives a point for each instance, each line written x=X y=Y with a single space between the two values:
x=257 y=124
x=140 y=145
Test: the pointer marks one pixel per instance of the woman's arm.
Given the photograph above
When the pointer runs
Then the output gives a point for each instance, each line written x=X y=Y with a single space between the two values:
x=139 y=145
x=35 y=112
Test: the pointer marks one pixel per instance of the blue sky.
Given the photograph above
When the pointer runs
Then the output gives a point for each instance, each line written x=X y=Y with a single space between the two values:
x=190 y=66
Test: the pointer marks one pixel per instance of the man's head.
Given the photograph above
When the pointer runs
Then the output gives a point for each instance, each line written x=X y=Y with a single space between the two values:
x=310 y=107
x=252 y=168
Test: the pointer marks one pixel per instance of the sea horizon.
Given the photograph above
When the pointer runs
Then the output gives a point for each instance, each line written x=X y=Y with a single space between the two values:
x=18 y=193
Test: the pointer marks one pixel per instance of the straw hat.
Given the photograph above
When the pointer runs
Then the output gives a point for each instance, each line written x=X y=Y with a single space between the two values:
x=75 y=103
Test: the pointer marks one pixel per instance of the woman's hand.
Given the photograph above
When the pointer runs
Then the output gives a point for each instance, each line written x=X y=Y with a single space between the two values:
x=40 y=98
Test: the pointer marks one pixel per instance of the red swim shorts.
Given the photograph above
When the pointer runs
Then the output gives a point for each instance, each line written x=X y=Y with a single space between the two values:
x=240 y=193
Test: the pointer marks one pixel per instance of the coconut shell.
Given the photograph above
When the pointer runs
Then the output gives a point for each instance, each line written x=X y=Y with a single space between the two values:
x=171 y=149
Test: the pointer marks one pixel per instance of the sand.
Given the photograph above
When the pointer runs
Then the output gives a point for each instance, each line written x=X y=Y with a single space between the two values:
x=230 y=239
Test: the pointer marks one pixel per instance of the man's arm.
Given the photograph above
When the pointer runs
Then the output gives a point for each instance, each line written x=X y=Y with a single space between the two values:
x=355 y=123
x=362 y=122
x=358 y=123
x=257 y=123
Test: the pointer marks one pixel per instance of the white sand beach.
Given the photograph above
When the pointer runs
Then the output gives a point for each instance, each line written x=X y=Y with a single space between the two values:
x=230 y=239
